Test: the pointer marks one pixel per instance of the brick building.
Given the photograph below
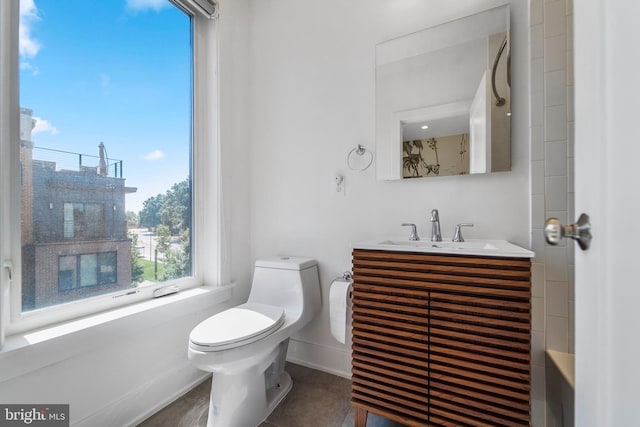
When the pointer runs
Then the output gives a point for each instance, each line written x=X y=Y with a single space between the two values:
x=74 y=232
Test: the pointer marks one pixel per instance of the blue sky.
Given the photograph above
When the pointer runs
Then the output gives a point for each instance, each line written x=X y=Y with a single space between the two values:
x=114 y=71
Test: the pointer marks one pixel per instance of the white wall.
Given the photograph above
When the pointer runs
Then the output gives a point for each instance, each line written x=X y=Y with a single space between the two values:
x=115 y=373
x=234 y=150
x=312 y=101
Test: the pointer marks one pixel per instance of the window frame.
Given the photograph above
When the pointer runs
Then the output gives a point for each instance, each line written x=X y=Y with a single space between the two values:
x=204 y=182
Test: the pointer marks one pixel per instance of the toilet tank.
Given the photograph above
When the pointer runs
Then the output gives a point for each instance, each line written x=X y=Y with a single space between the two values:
x=289 y=282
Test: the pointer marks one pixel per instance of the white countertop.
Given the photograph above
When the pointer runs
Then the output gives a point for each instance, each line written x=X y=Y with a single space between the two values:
x=478 y=247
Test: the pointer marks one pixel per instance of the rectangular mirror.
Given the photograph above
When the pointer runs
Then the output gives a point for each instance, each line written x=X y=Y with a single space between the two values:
x=443 y=99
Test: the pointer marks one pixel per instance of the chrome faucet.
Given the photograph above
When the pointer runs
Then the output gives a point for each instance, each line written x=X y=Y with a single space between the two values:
x=435 y=226
x=414 y=231
x=457 y=236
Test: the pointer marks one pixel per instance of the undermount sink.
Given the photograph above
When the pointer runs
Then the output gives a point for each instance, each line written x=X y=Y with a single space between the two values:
x=498 y=248
x=441 y=245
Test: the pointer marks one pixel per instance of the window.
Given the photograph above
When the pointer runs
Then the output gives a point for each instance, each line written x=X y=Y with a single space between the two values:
x=105 y=156
x=78 y=271
x=83 y=220
x=131 y=79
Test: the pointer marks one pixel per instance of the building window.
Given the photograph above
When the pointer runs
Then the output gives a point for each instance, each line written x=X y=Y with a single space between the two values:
x=117 y=126
x=83 y=220
x=107 y=268
x=78 y=271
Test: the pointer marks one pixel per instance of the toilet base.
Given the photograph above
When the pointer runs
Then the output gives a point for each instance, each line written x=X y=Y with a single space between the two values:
x=241 y=400
x=276 y=394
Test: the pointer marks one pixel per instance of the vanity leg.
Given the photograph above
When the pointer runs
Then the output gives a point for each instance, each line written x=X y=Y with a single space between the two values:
x=361 y=417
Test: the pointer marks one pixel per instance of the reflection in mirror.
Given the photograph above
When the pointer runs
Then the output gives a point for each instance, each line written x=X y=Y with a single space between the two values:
x=443 y=101
x=436 y=147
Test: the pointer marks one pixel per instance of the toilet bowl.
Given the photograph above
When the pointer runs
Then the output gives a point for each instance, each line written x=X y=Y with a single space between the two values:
x=245 y=346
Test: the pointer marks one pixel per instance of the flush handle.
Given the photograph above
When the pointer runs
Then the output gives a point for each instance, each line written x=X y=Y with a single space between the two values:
x=554 y=231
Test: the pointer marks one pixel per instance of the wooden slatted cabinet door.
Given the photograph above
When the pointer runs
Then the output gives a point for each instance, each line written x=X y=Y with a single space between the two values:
x=390 y=351
x=479 y=360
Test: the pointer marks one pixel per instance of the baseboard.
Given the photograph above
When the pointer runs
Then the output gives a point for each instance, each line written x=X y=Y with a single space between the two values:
x=324 y=358
x=139 y=404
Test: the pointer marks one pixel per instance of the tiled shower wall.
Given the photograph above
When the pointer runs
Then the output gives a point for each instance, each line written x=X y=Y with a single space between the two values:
x=552 y=142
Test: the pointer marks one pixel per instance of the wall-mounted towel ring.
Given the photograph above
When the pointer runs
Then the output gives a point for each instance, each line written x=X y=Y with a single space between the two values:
x=359 y=158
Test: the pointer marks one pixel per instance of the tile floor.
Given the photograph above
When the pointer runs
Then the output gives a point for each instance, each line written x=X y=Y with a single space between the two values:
x=317 y=399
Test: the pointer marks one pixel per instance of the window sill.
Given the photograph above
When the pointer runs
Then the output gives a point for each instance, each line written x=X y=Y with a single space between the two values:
x=39 y=348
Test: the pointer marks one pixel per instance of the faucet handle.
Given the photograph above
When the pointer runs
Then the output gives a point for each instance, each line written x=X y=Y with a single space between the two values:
x=414 y=231
x=457 y=236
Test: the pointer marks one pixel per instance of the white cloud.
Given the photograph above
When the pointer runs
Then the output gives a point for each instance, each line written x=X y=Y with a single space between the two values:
x=43 y=125
x=29 y=46
x=27 y=66
x=142 y=5
x=154 y=155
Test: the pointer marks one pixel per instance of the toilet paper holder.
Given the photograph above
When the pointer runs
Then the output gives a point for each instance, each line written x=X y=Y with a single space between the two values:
x=348 y=275
x=340 y=300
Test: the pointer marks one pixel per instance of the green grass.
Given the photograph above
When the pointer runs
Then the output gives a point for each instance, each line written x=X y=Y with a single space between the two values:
x=149 y=272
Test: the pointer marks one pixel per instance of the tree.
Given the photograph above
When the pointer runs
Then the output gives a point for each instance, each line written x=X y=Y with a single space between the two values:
x=150 y=213
x=178 y=263
x=170 y=215
x=175 y=211
x=132 y=219
x=163 y=239
x=172 y=209
x=137 y=269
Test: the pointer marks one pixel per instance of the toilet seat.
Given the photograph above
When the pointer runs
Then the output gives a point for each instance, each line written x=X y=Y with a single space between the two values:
x=236 y=326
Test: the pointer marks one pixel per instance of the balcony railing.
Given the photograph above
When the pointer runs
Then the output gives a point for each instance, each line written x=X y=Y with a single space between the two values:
x=60 y=160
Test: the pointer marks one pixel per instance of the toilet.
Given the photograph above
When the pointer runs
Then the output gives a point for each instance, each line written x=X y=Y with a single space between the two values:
x=245 y=346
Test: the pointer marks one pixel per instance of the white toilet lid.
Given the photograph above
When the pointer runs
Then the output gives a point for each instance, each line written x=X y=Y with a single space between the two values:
x=239 y=325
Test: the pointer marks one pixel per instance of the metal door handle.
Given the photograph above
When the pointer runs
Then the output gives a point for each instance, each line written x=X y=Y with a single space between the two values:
x=580 y=231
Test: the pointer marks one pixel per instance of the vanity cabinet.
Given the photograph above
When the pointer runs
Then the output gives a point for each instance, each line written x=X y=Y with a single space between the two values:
x=441 y=339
